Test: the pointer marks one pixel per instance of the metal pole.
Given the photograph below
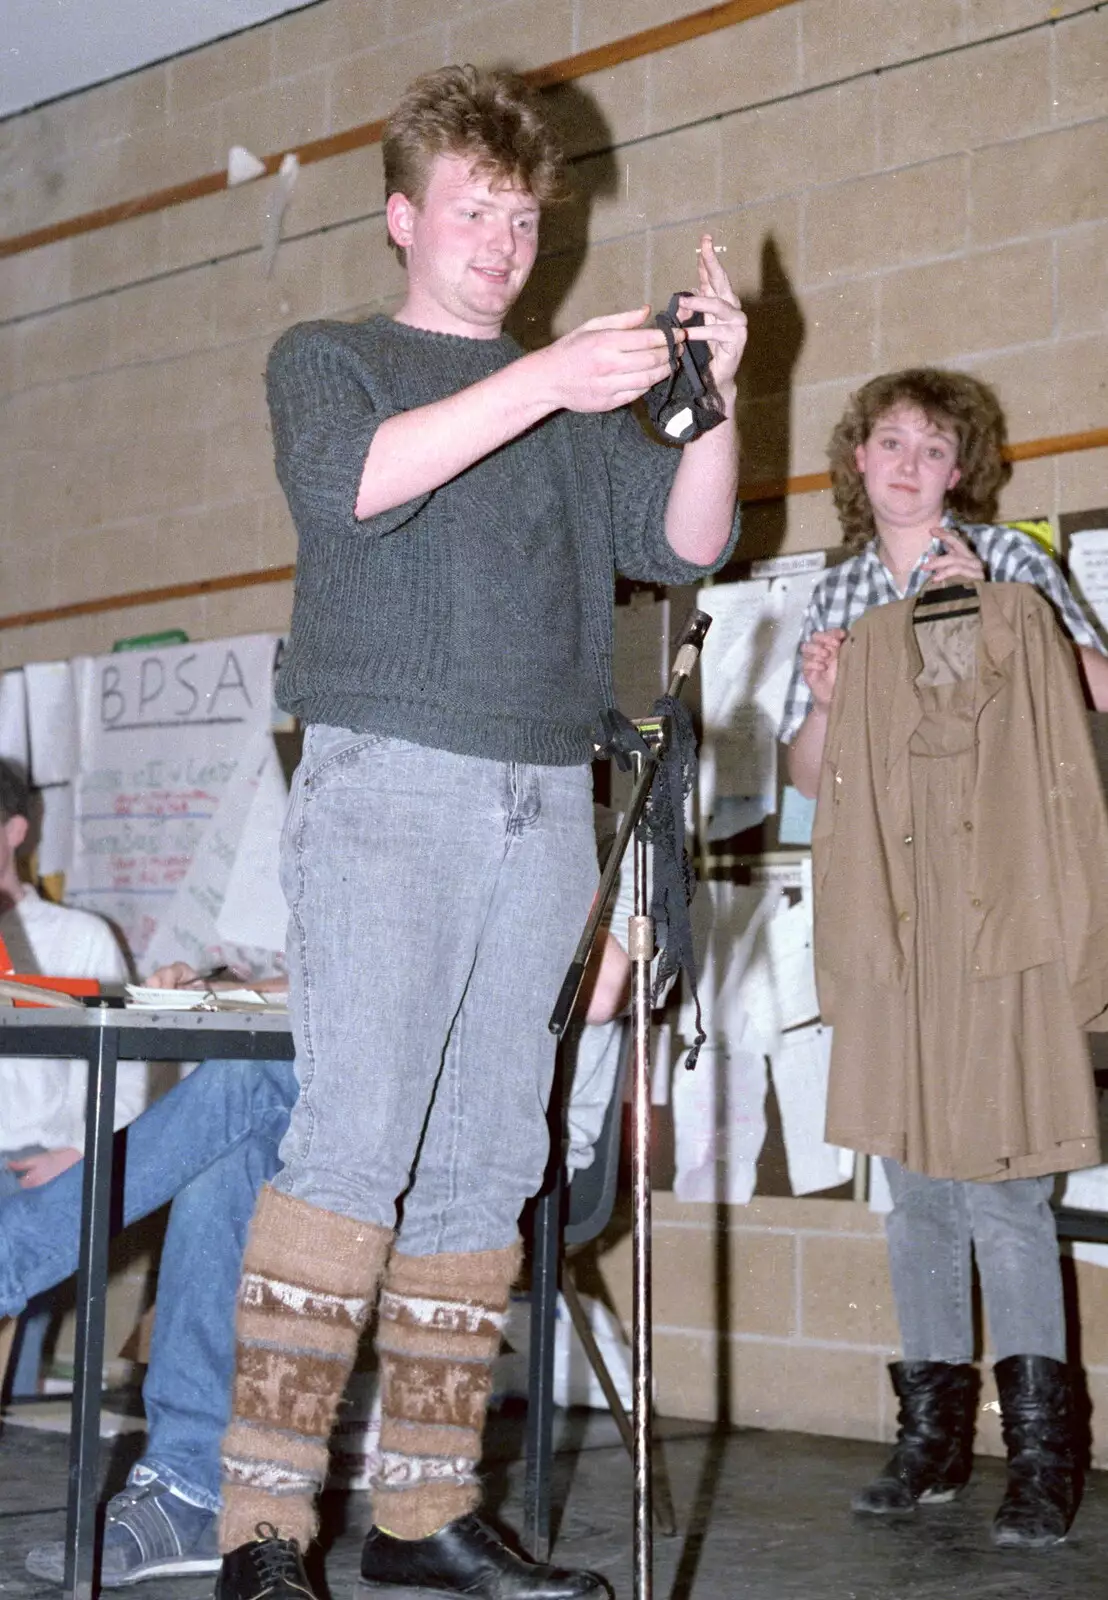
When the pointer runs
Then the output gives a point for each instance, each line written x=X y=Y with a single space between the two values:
x=92 y=1277
x=640 y=946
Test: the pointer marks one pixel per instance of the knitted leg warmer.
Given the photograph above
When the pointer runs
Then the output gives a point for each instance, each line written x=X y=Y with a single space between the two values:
x=308 y=1281
x=439 y=1328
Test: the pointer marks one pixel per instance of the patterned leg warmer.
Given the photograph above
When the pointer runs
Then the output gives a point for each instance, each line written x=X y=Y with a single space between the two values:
x=439 y=1327
x=308 y=1281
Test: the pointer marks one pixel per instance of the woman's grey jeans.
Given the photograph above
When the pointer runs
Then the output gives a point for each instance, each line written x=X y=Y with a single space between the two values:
x=934 y=1225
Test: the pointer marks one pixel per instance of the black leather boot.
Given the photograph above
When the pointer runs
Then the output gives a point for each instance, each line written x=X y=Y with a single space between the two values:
x=1036 y=1413
x=267 y=1568
x=934 y=1443
x=467 y=1557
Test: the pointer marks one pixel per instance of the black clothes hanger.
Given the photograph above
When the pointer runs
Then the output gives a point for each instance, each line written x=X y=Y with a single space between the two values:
x=949 y=594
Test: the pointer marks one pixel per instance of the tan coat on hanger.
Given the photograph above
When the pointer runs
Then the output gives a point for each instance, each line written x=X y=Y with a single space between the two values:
x=1023 y=941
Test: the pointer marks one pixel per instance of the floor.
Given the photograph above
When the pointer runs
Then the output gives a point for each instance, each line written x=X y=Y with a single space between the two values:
x=762 y=1516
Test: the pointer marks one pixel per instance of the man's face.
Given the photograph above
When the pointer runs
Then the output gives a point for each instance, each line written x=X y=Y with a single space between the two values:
x=469 y=249
x=908 y=465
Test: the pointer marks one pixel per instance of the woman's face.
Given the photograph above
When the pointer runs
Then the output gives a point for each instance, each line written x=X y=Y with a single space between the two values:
x=908 y=464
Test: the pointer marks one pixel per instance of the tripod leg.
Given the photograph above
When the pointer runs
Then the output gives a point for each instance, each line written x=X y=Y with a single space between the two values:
x=663 y=1510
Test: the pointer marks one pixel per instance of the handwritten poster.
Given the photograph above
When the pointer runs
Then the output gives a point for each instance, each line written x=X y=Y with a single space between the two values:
x=174 y=745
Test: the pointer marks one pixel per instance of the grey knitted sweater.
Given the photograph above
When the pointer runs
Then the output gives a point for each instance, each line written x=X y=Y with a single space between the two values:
x=477 y=618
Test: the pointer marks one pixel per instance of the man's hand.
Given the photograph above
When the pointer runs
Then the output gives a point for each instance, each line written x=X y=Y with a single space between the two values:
x=957 y=561
x=36 y=1170
x=606 y=362
x=819 y=660
x=724 y=319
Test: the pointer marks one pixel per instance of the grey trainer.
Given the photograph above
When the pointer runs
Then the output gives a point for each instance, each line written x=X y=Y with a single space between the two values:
x=150 y=1532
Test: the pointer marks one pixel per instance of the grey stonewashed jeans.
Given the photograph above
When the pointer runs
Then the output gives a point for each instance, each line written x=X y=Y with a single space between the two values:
x=435 y=901
x=934 y=1224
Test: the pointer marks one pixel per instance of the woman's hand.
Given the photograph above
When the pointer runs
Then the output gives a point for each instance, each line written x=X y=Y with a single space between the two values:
x=956 y=562
x=819 y=660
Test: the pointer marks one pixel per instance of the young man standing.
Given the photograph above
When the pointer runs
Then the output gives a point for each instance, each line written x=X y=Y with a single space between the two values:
x=461 y=510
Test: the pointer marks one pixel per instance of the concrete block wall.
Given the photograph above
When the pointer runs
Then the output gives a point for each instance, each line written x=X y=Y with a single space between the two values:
x=779 y=1314
x=893 y=182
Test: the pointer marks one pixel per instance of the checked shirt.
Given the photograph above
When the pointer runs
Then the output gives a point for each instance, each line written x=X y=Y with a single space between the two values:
x=846 y=591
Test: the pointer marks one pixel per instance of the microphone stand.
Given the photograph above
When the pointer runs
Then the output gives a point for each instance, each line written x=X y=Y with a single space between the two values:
x=655 y=732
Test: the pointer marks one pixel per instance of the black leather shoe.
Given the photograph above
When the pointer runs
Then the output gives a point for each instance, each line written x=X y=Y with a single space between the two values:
x=268 y=1568
x=468 y=1558
x=934 y=1451
x=1044 y=1483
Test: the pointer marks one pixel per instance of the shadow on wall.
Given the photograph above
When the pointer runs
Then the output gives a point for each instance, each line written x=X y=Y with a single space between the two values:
x=582 y=127
x=776 y=338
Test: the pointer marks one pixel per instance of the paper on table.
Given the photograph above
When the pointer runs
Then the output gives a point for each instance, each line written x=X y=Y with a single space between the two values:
x=799 y=1064
x=142 y=998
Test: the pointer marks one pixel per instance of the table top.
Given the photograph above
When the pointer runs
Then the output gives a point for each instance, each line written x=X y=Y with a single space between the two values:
x=20 y=1019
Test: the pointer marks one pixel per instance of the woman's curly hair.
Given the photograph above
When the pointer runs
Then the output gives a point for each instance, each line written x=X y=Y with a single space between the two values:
x=489 y=116
x=949 y=399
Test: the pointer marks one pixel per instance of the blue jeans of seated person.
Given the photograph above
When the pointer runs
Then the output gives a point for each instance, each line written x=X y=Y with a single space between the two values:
x=934 y=1225
x=208 y=1145
x=435 y=901
x=34 y=1324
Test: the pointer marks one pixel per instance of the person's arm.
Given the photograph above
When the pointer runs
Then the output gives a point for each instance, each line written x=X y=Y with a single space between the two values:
x=701 y=504
x=606 y=363
x=1093 y=666
x=805 y=755
x=819 y=656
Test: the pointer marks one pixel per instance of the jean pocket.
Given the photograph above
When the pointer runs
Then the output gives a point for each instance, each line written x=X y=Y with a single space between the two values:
x=337 y=755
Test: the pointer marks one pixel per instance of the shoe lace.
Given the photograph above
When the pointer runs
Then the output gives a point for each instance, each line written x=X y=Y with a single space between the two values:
x=121 y=1503
x=277 y=1560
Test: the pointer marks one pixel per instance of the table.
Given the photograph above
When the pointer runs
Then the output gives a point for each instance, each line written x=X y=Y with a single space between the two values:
x=103 y=1035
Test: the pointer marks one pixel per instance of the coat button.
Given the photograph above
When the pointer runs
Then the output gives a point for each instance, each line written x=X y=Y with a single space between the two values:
x=907 y=838
x=975 y=902
x=905 y=916
x=968 y=826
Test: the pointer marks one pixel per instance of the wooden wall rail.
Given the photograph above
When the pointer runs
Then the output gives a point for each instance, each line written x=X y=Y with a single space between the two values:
x=650 y=40
x=751 y=493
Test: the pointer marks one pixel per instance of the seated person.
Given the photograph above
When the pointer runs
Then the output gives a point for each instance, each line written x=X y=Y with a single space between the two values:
x=42 y=1102
x=207 y=1146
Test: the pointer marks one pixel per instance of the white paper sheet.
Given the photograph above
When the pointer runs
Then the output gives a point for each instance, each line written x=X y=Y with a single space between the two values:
x=15 y=742
x=52 y=721
x=166 y=737
x=1088 y=563
x=800 y=1065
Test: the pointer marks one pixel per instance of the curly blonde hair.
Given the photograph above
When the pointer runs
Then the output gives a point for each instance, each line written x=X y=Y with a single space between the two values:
x=949 y=399
x=489 y=116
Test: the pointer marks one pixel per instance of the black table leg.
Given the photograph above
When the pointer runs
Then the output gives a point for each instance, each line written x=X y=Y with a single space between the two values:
x=92 y=1276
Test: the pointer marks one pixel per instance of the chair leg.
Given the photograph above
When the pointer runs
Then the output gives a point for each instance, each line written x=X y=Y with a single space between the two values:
x=663 y=1498
x=8 y=1328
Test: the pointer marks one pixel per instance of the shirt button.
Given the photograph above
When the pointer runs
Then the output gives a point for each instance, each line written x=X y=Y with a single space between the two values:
x=907 y=838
